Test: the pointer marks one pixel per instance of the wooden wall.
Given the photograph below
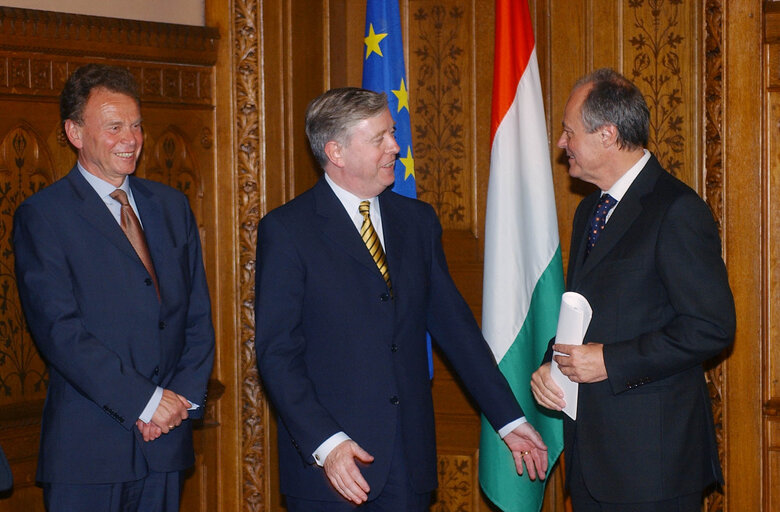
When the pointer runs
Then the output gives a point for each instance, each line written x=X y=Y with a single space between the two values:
x=224 y=113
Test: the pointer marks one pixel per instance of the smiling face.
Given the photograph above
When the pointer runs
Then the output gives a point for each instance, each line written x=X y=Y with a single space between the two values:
x=364 y=164
x=110 y=138
x=584 y=150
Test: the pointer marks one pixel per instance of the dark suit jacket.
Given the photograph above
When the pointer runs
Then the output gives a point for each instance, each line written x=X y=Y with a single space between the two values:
x=95 y=317
x=337 y=353
x=662 y=306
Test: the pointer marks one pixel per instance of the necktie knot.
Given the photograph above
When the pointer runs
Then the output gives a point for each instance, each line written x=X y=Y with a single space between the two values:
x=364 y=208
x=120 y=196
x=599 y=220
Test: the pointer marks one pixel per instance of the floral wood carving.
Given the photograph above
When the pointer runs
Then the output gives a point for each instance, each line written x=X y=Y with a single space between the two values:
x=456 y=484
x=26 y=167
x=245 y=57
x=656 y=69
x=171 y=161
x=713 y=194
x=439 y=121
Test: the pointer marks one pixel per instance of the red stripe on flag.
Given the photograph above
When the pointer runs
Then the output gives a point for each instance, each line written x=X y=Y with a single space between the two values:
x=514 y=44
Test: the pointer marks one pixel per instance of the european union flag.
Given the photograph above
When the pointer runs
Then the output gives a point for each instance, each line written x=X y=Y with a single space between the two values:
x=384 y=71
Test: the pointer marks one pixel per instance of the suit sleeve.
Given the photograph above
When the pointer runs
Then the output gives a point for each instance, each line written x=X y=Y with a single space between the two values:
x=452 y=325
x=279 y=341
x=689 y=264
x=195 y=363
x=46 y=289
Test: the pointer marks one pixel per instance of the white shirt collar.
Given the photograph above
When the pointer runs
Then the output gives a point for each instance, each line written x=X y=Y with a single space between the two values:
x=619 y=189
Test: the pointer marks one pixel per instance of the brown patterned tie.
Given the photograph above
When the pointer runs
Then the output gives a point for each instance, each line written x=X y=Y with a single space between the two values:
x=135 y=233
x=370 y=238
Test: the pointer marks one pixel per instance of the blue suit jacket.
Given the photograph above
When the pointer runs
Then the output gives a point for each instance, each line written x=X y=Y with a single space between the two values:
x=106 y=338
x=337 y=353
x=661 y=306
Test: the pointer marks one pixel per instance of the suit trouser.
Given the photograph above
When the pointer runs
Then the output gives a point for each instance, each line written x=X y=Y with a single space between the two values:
x=397 y=494
x=583 y=501
x=158 y=492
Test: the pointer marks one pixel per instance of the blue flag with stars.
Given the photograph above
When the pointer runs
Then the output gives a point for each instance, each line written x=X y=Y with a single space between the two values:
x=384 y=71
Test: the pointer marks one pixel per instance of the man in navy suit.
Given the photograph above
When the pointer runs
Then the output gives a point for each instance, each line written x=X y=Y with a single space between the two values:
x=341 y=343
x=129 y=348
x=646 y=254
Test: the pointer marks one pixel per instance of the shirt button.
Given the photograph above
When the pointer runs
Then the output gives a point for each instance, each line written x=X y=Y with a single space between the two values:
x=394 y=400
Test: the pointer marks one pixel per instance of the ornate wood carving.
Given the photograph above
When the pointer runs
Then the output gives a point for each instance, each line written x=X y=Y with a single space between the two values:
x=713 y=194
x=169 y=160
x=245 y=60
x=26 y=166
x=72 y=34
x=656 y=68
x=457 y=482
x=439 y=67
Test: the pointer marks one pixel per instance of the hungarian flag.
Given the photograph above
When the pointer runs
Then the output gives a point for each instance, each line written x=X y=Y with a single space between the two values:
x=523 y=279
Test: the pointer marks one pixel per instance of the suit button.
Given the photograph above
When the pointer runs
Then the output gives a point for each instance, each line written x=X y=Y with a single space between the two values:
x=148 y=282
x=393 y=348
x=161 y=325
x=394 y=400
x=157 y=370
x=384 y=297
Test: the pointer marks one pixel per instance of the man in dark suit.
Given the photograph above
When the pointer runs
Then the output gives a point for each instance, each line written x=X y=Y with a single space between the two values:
x=118 y=308
x=341 y=344
x=644 y=438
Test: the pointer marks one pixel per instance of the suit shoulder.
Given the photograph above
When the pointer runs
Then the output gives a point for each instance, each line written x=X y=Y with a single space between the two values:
x=159 y=189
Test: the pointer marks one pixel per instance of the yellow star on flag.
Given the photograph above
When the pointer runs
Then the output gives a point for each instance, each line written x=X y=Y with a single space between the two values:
x=408 y=162
x=372 y=41
x=403 y=96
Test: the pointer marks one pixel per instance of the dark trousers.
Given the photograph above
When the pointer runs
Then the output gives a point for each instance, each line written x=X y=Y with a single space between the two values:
x=158 y=492
x=397 y=494
x=582 y=501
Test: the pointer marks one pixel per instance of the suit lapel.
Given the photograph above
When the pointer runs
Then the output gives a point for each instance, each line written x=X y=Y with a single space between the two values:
x=337 y=227
x=626 y=212
x=394 y=230
x=94 y=211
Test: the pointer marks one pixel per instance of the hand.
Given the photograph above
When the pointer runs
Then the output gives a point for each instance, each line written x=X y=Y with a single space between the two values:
x=344 y=474
x=545 y=390
x=171 y=411
x=584 y=364
x=527 y=447
x=149 y=431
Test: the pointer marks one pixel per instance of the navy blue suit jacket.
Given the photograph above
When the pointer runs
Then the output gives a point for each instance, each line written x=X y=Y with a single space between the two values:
x=107 y=340
x=337 y=353
x=661 y=306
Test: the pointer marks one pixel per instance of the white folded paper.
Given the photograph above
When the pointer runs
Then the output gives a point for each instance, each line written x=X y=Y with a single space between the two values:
x=573 y=322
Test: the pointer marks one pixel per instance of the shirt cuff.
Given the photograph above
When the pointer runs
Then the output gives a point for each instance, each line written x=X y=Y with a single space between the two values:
x=509 y=427
x=323 y=450
x=151 y=405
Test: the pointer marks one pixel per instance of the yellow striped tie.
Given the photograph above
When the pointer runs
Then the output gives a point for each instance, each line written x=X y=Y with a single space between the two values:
x=371 y=240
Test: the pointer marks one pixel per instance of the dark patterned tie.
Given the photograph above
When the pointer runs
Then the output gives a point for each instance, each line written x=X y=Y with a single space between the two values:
x=370 y=238
x=132 y=228
x=599 y=220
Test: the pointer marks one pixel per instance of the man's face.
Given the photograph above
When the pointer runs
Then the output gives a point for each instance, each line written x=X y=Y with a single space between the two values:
x=584 y=150
x=368 y=156
x=110 y=138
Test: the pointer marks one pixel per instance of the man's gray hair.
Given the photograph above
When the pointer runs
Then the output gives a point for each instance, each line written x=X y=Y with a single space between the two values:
x=331 y=116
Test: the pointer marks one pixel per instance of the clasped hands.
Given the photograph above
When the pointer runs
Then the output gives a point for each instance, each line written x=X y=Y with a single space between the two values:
x=170 y=412
x=581 y=363
x=343 y=473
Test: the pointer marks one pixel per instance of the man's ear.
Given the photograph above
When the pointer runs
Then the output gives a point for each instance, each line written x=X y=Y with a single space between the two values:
x=73 y=132
x=333 y=151
x=608 y=134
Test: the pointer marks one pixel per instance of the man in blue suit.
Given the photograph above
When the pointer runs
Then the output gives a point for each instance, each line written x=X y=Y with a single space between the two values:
x=646 y=254
x=350 y=276
x=125 y=329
